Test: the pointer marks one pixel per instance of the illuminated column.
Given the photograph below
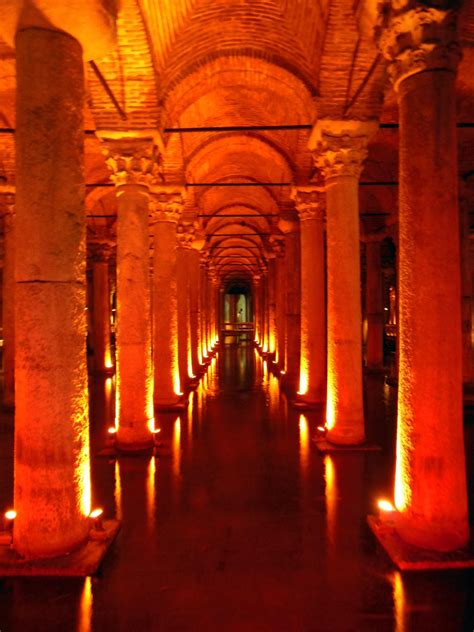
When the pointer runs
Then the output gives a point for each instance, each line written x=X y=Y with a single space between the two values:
x=263 y=286
x=133 y=167
x=374 y=303
x=466 y=303
x=194 y=305
x=256 y=306
x=167 y=205
x=280 y=302
x=205 y=342
x=185 y=236
x=8 y=303
x=101 y=252
x=309 y=203
x=430 y=479
x=290 y=226
x=52 y=481
x=340 y=150
x=272 y=325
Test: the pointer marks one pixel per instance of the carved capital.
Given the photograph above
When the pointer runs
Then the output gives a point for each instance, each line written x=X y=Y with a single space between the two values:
x=340 y=146
x=185 y=232
x=309 y=202
x=415 y=38
x=167 y=203
x=132 y=158
x=101 y=251
x=277 y=243
x=288 y=222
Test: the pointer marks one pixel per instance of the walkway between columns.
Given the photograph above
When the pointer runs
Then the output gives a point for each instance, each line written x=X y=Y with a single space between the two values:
x=240 y=525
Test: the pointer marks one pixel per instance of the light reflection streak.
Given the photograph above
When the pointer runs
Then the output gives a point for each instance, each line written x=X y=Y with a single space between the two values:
x=190 y=412
x=85 y=607
x=399 y=601
x=118 y=491
x=304 y=443
x=150 y=494
x=177 y=449
x=331 y=499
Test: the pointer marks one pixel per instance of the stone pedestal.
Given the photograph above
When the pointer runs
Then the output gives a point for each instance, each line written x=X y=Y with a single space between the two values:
x=430 y=479
x=167 y=207
x=52 y=493
x=340 y=148
x=312 y=385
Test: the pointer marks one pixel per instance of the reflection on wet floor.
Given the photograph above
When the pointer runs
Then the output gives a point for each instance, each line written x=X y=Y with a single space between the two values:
x=237 y=523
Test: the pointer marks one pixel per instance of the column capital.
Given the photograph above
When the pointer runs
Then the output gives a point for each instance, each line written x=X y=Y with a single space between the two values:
x=415 y=37
x=185 y=232
x=277 y=244
x=101 y=251
x=167 y=203
x=132 y=157
x=310 y=202
x=339 y=146
x=288 y=222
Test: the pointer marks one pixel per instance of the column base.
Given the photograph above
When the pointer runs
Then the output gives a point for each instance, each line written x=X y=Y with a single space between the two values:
x=172 y=406
x=300 y=403
x=134 y=448
x=412 y=558
x=82 y=562
x=323 y=446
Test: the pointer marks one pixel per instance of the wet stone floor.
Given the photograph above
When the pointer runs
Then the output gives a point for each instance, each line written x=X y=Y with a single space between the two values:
x=238 y=524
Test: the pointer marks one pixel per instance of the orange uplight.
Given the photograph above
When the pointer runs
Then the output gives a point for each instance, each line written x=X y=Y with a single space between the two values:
x=330 y=409
x=321 y=428
x=112 y=430
x=85 y=484
x=303 y=389
x=282 y=372
x=177 y=448
x=177 y=385
x=385 y=505
x=10 y=514
x=402 y=479
x=96 y=513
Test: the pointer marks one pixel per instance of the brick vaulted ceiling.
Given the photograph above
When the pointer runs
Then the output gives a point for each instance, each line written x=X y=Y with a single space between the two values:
x=241 y=63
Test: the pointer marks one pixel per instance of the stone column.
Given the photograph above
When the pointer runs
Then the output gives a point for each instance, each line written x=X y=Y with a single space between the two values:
x=309 y=204
x=194 y=277
x=167 y=206
x=272 y=323
x=103 y=361
x=185 y=236
x=204 y=310
x=430 y=480
x=51 y=466
x=374 y=304
x=290 y=226
x=8 y=303
x=340 y=148
x=256 y=306
x=133 y=165
x=466 y=292
x=280 y=302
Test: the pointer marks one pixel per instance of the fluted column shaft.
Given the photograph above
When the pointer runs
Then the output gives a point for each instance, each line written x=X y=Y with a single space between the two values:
x=430 y=479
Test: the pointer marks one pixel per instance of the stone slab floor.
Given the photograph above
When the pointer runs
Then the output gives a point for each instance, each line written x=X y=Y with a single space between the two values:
x=238 y=524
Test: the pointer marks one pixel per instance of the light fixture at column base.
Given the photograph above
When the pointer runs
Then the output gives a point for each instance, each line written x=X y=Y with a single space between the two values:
x=323 y=446
x=412 y=558
x=83 y=562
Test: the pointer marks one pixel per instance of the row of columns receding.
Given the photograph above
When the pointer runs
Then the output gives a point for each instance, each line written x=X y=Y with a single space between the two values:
x=52 y=480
